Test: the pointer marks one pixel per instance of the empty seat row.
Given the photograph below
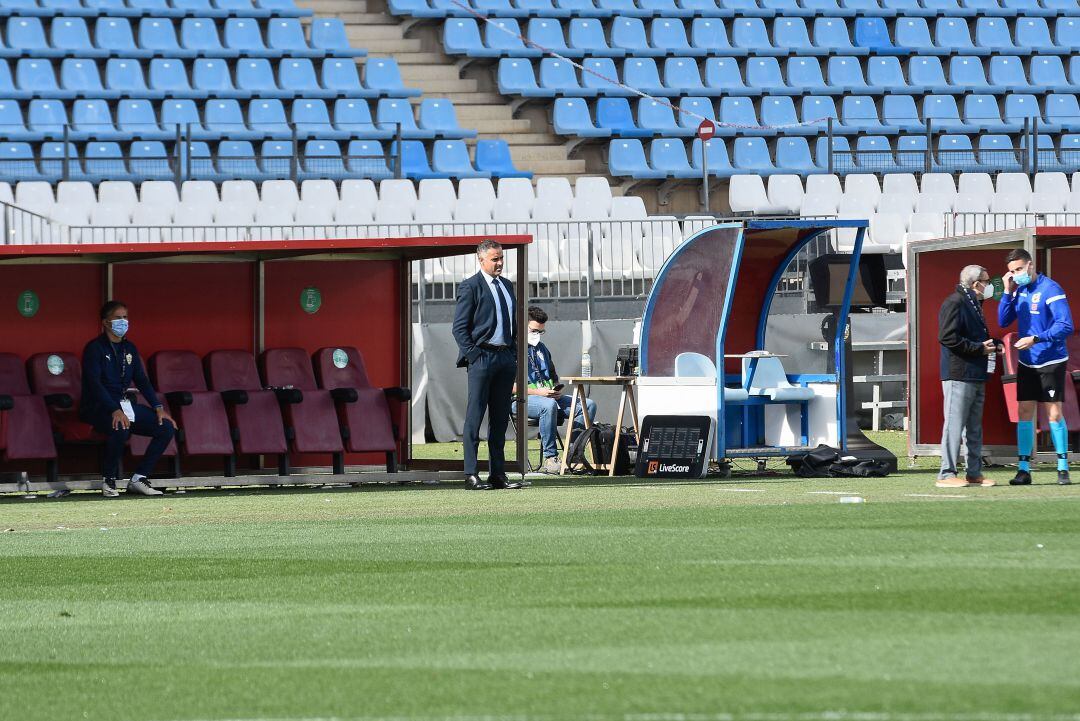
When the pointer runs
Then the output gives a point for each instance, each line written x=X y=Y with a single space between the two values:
x=155 y=36
x=226 y=118
x=156 y=8
x=199 y=78
x=956 y=153
x=730 y=8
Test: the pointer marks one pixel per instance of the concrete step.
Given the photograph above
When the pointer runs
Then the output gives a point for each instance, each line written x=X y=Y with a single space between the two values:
x=367 y=33
x=492 y=128
x=386 y=46
x=359 y=18
x=552 y=167
x=538 y=152
x=530 y=138
x=481 y=111
x=420 y=73
x=404 y=59
x=332 y=7
x=446 y=87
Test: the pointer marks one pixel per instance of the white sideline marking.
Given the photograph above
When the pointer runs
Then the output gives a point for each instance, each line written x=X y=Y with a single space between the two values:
x=814 y=716
x=829 y=493
x=743 y=490
x=933 y=495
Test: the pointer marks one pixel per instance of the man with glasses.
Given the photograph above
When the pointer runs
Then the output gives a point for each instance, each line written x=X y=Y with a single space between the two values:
x=968 y=358
x=1041 y=310
x=545 y=399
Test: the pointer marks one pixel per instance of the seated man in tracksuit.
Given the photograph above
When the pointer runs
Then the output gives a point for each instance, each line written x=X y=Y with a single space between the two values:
x=110 y=364
x=1041 y=310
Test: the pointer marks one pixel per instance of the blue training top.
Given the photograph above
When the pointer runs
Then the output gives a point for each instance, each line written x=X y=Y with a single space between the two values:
x=1041 y=309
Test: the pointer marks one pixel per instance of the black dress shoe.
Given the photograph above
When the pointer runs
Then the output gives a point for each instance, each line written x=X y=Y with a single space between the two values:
x=1022 y=478
x=502 y=482
x=473 y=483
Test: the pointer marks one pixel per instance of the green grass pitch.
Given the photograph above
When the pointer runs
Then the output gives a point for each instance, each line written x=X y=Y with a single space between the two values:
x=750 y=598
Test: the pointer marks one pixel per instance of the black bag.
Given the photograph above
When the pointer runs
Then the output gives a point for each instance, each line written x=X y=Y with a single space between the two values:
x=577 y=457
x=606 y=433
x=825 y=462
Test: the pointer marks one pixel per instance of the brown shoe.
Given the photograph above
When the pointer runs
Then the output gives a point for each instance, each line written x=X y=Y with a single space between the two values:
x=981 y=481
x=952 y=483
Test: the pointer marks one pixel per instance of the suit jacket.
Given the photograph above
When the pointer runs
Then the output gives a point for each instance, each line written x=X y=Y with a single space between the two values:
x=475 y=317
x=105 y=377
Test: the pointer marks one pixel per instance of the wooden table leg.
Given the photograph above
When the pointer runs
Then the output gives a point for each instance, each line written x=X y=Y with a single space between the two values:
x=618 y=433
x=578 y=388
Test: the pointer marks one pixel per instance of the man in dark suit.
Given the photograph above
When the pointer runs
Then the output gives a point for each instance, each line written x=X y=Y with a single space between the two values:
x=486 y=334
x=110 y=364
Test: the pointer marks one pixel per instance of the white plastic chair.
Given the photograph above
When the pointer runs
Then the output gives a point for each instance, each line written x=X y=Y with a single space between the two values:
x=149 y=218
x=696 y=365
x=930 y=202
x=827 y=185
x=595 y=191
x=896 y=203
x=478 y=192
x=925 y=226
x=7 y=195
x=76 y=192
x=35 y=196
x=887 y=232
x=1015 y=184
x=276 y=220
x=200 y=191
x=110 y=221
x=746 y=194
x=818 y=204
x=436 y=192
x=323 y=192
x=1056 y=184
x=659 y=236
x=398 y=191
x=786 y=193
x=359 y=192
x=768 y=378
x=899 y=184
x=517 y=190
x=281 y=193
x=234 y=212
x=554 y=191
x=979 y=184
x=240 y=192
x=938 y=184
x=853 y=207
x=864 y=186
x=160 y=193
x=121 y=192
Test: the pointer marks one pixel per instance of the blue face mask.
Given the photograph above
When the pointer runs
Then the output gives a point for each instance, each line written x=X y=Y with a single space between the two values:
x=1022 y=279
x=119 y=327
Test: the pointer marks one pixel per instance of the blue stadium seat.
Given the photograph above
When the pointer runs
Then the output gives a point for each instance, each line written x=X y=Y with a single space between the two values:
x=115 y=36
x=236 y=159
x=642 y=74
x=354 y=117
x=558 y=77
x=437 y=115
x=547 y=32
x=383 y=76
x=710 y=35
x=752 y=154
x=1066 y=33
x=666 y=8
x=874 y=154
x=614 y=115
x=393 y=113
x=657 y=117
x=25 y=8
x=266 y=118
x=723 y=77
x=981 y=113
x=322 y=159
x=951 y=8
x=1028 y=7
x=885 y=75
x=1019 y=106
x=516 y=77
x=199 y=8
x=13 y=123
x=46 y=119
x=623 y=7
x=211 y=77
x=1074 y=69
x=786 y=8
x=366 y=158
x=952 y=36
x=286 y=35
x=899 y=112
x=297 y=77
x=913 y=34
x=626 y=157
x=158 y=36
x=997 y=152
x=956 y=154
x=942 y=110
x=867 y=9
x=1069 y=151
x=682 y=76
x=818 y=109
x=148 y=160
x=582 y=8
x=841 y=151
x=716 y=152
x=68 y=8
x=137 y=119
x=80 y=77
x=738 y=117
x=598 y=69
x=586 y=37
x=668 y=36
x=966 y=75
x=414 y=160
x=502 y=37
x=746 y=8
x=36 y=76
x=73 y=36
x=104 y=161
x=451 y=157
x=155 y=8
x=125 y=77
x=845 y=76
x=169 y=76
x=329 y=37
x=791 y=34
x=828 y=8
x=225 y=118
x=542 y=8
x=342 y=77
x=570 y=116
x=669 y=157
x=692 y=110
x=628 y=33
x=873 y=34
x=1034 y=35
x=927 y=73
x=7 y=85
x=859 y=114
x=26 y=36
x=1062 y=111
x=764 y=75
x=17 y=162
x=749 y=34
x=92 y=119
x=831 y=36
x=414 y=9
x=1007 y=74
x=255 y=77
x=311 y=119
x=1048 y=74
x=1064 y=7
x=907 y=8
x=51 y=162
x=805 y=75
x=197 y=163
x=184 y=114
x=275 y=158
x=793 y=156
x=200 y=35
x=993 y=34
x=498 y=8
x=779 y=112
x=245 y=37
x=447 y=8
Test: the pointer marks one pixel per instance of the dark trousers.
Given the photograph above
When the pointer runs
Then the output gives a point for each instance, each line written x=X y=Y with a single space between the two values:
x=145 y=424
x=491 y=383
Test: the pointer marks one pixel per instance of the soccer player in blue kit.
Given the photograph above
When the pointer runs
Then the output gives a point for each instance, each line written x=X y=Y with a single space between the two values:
x=1041 y=310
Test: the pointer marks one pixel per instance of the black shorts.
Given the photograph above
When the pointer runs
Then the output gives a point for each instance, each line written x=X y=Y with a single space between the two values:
x=1046 y=384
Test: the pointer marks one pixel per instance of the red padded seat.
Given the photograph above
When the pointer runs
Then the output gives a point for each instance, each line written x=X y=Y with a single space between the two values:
x=312 y=417
x=200 y=413
x=26 y=428
x=254 y=414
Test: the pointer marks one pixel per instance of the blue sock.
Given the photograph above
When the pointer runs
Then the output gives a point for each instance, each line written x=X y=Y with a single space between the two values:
x=1025 y=440
x=1059 y=432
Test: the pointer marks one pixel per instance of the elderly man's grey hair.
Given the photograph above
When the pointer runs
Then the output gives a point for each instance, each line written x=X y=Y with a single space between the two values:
x=970 y=275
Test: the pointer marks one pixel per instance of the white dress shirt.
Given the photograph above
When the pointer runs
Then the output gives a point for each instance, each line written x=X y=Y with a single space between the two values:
x=496 y=285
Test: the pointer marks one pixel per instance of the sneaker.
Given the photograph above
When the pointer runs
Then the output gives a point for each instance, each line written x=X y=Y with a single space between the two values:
x=952 y=483
x=141 y=486
x=1063 y=478
x=551 y=466
x=1022 y=478
x=108 y=489
x=980 y=481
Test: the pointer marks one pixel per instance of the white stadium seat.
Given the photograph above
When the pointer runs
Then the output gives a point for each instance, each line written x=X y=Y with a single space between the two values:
x=930 y=202
x=241 y=192
x=1009 y=203
x=887 y=231
x=826 y=185
x=234 y=212
x=863 y=185
x=896 y=203
x=359 y=192
x=519 y=190
x=161 y=193
x=628 y=207
x=979 y=184
x=814 y=205
x=400 y=192
x=203 y=192
x=351 y=213
x=35 y=196
x=786 y=193
x=938 y=184
x=900 y=184
x=554 y=191
x=324 y=192
x=746 y=194
x=271 y=212
x=924 y=226
x=597 y=191
x=469 y=211
x=436 y=192
x=121 y=192
x=152 y=217
x=1056 y=184
x=1016 y=184
x=7 y=195
x=77 y=192
x=478 y=192
x=1049 y=202
x=281 y=193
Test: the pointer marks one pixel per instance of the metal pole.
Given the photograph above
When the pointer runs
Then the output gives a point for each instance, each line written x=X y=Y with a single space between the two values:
x=397 y=155
x=295 y=159
x=178 y=157
x=705 y=176
x=67 y=153
x=187 y=155
x=928 y=156
x=1034 y=146
x=829 y=138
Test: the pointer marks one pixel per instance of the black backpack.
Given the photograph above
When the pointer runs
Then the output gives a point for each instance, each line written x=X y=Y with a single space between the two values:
x=606 y=433
x=577 y=457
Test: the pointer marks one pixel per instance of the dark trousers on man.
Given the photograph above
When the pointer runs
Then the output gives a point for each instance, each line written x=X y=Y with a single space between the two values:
x=491 y=383
x=145 y=424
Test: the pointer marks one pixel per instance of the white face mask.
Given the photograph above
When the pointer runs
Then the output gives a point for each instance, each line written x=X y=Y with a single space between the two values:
x=534 y=339
x=988 y=291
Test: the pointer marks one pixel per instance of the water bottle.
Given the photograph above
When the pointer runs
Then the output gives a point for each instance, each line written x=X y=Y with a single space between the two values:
x=586 y=364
